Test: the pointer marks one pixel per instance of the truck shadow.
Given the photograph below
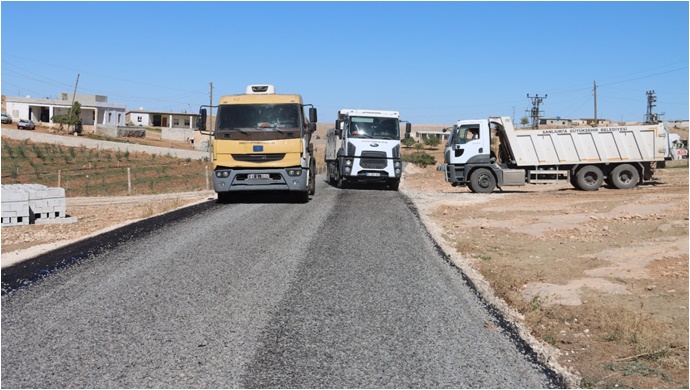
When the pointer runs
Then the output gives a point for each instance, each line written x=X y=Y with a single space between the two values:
x=256 y=197
x=361 y=186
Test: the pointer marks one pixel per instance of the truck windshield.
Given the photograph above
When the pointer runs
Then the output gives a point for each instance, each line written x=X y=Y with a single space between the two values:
x=368 y=127
x=259 y=121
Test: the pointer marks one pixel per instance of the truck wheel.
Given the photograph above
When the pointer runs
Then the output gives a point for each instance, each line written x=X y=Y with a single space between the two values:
x=331 y=170
x=482 y=181
x=624 y=176
x=301 y=197
x=312 y=181
x=589 y=178
x=573 y=182
x=339 y=181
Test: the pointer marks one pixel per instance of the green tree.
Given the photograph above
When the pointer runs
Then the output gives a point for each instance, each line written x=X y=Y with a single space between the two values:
x=408 y=142
x=432 y=141
x=72 y=119
x=524 y=121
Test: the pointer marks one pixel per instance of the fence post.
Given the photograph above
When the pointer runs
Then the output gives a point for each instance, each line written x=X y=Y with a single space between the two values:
x=129 y=182
x=207 y=181
x=59 y=177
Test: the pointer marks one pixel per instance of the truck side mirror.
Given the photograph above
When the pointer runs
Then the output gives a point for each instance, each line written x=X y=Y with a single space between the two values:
x=408 y=129
x=312 y=115
x=201 y=120
x=339 y=128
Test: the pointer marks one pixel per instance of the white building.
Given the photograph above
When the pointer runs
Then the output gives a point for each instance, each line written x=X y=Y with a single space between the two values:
x=178 y=120
x=95 y=109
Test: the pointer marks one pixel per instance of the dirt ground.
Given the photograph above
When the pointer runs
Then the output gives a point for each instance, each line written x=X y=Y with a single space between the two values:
x=598 y=281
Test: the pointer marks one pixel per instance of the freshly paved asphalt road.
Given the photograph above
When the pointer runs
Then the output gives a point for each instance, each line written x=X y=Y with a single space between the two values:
x=345 y=291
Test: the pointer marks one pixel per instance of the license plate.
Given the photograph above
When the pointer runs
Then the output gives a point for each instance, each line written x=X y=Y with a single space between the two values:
x=373 y=174
x=258 y=176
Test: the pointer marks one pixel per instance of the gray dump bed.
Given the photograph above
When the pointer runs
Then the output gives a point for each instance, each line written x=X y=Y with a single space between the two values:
x=585 y=145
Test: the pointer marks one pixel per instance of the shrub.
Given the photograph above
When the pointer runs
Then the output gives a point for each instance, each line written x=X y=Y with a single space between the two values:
x=421 y=159
x=408 y=142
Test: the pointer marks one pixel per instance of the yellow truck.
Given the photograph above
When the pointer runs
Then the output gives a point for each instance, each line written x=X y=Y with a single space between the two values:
x=261 y=142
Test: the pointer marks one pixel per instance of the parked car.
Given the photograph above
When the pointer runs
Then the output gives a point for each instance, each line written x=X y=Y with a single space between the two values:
x=6 y=118
x=26 y=124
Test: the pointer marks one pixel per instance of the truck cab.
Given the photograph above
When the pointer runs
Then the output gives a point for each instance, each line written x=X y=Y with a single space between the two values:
x=469 y=141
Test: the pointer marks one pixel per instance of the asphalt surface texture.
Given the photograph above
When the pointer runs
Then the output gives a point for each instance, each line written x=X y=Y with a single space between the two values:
x=346 y=291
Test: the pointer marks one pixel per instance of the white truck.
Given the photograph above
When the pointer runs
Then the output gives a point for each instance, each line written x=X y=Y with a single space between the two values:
x=365 y=146
x=679 y=147
x=621 y=156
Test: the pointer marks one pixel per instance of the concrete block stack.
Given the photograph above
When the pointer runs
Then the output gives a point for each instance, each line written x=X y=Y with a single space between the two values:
x=24 y=204
x=15 y=207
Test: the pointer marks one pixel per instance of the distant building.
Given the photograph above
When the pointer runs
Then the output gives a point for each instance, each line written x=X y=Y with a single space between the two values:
x=559 y=122
x=179 y=120
x=564 y=122
x=430 y=130
x=95 y=109
x=597 y=122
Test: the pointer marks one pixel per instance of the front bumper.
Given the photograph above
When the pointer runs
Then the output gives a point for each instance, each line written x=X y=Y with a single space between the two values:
x=280 y=179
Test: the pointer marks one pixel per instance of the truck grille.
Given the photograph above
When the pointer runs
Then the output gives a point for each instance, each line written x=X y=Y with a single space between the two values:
x=373 y=160
x=258 y=158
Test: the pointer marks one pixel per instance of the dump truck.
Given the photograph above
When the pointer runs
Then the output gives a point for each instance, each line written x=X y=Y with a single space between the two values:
x=620 y=156
x=261 y=141
x=364 y=146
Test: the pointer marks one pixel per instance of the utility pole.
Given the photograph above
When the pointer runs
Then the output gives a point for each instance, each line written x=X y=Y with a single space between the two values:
x=74 y=95
x=596 y=122
x=210 y=122
x=534 y=112
x=651 y=117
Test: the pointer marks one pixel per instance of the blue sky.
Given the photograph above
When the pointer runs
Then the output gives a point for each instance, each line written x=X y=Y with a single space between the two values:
x=435 y=62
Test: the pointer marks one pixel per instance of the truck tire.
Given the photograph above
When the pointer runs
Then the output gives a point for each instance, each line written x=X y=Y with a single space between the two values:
x=331 y=171
x=482 y=181
x=339 y=180
x=312 y=180
x=624 y=176
x=302 y=197
x=573 y=182
x=589 y=178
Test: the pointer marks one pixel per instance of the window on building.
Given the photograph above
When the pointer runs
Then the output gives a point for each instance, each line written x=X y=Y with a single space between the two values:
x=186 y=122
x=139 y=119
x=176 y=122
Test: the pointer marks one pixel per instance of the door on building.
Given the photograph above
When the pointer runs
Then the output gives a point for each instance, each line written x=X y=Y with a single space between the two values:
x=44 y=114
x=164 y=122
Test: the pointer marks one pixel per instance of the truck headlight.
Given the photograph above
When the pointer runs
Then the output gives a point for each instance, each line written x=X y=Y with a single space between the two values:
x=294 y=172
x=348 y=170
x=222 y=174
x=397 y=164
x=348 y=162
